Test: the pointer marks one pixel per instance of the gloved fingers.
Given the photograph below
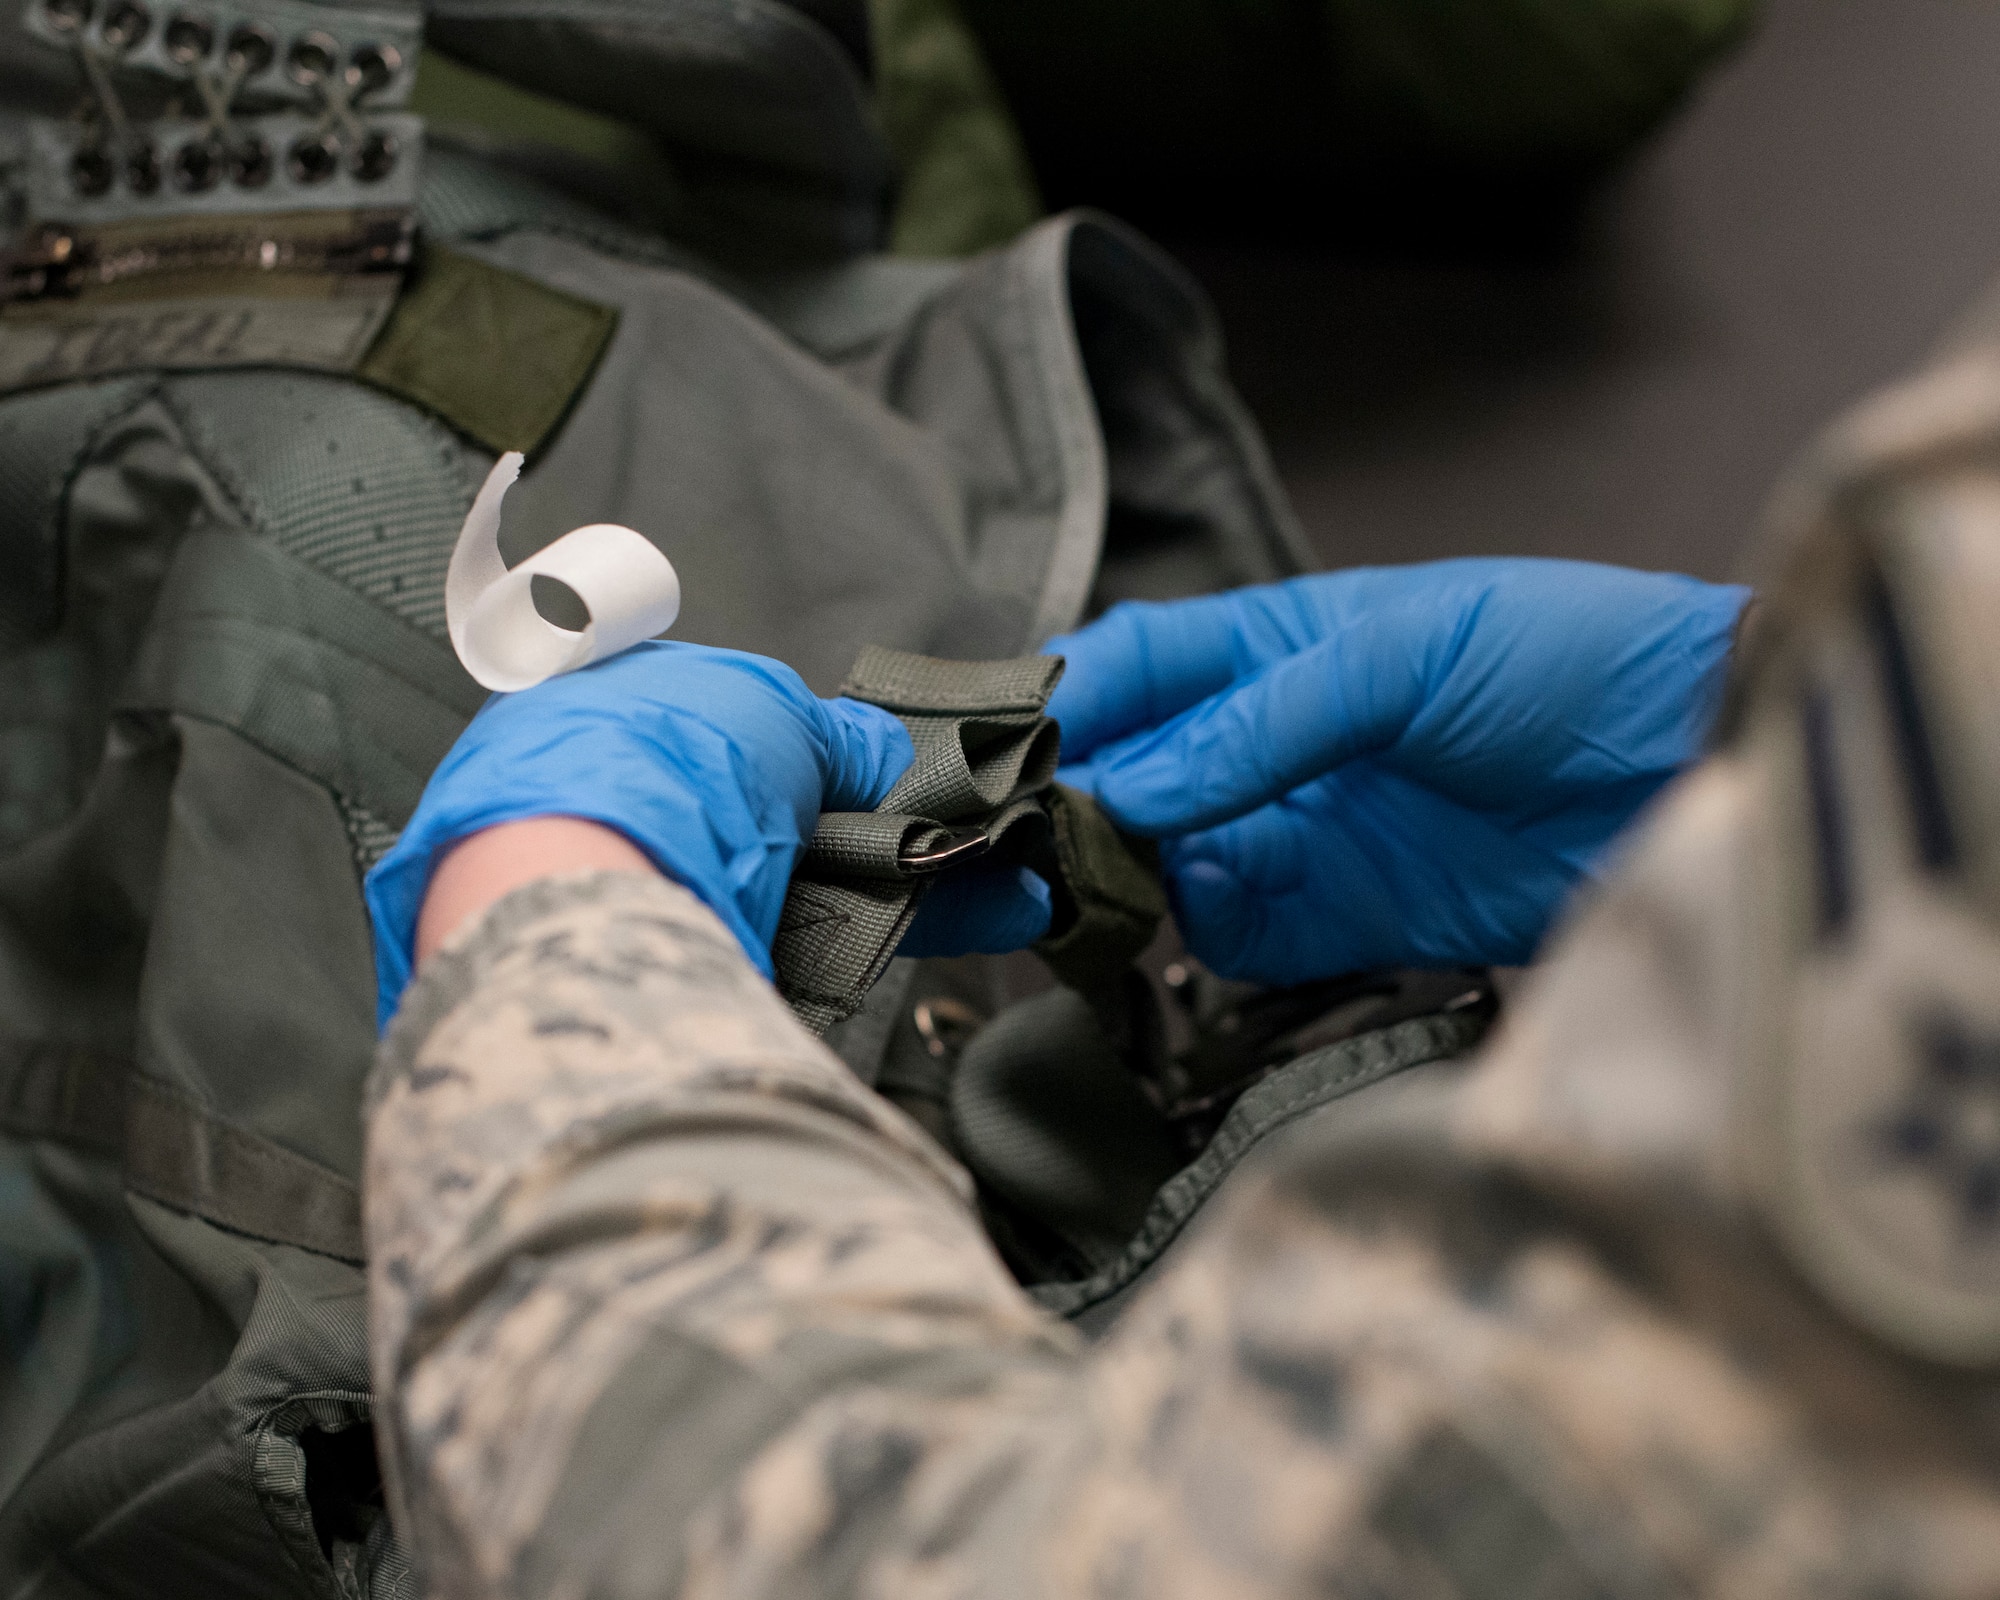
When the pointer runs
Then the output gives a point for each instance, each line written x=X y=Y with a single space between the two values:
x=1572 y=677
x=1264 y=736
x=868 y=749
x=1580 y=829
x=1292 y=892
x=1140 y=663
x=979 y=911
x=713 y=762
x=1360 y=870
x=1144 y=661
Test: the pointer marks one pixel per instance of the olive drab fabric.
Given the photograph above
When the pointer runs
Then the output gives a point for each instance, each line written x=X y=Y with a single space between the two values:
x=985 y=754
x=226 y=677
x=497 y=355
x=963 y=182
x=964 y=179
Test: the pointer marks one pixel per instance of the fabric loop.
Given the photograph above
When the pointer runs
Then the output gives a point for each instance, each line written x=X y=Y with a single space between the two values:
x=175 y=1150
x=986 y=758
x=868 y=844
x=913 y=685
x=967 y=765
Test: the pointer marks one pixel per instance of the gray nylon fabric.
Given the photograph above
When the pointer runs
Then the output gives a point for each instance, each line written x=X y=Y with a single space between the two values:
x=196 y=910
x=60 y=667
x=465 y=196
x=766 y=117
x=305 y=668
x=242 y=687
x=65 y=1304
x=176 y=1152
x=975 y=498
x=74 y=1096
x=991 y=500
x=181 y=1156
x=193 y=1441
x=255 y=999
x=38 y=442
x=369 y=491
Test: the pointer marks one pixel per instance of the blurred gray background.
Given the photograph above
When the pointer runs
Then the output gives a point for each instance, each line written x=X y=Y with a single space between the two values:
x=1804 y=230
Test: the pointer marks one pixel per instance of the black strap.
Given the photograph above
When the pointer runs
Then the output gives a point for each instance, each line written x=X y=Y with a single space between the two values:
x=73 y=1095
x=174 y=1150
x=186 y=1157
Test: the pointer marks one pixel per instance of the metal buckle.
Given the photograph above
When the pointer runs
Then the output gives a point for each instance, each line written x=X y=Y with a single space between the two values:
x=959 y=845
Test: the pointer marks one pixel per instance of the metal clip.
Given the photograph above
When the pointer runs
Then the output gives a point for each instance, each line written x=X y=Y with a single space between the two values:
x=955 y=848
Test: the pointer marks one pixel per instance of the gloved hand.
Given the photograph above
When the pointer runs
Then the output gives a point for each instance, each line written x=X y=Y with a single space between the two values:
x=714 y=763
x=1405 y=766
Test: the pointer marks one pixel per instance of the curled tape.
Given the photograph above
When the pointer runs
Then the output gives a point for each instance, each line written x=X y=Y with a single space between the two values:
x=627 y=585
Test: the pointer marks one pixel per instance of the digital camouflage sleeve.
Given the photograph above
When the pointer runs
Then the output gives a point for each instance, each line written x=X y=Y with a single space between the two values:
x=1690 y=1285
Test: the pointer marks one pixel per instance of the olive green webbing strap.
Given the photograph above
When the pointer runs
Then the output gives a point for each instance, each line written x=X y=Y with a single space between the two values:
x=983 y=750
x=176 y=1152
x=1108 y=896
x=981 y=788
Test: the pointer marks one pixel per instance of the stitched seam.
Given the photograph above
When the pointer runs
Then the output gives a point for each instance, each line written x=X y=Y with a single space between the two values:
x=1180 y=1198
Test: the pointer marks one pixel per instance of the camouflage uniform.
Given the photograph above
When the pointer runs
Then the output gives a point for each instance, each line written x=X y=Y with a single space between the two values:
x=1690 y=1284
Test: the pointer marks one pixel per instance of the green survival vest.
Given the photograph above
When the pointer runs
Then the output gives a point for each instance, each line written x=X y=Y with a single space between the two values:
x=234 y=455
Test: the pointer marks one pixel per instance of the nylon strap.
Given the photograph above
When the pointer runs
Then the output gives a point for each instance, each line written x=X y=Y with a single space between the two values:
x=176 y=1151
x=981 y=788
x=1110 y=882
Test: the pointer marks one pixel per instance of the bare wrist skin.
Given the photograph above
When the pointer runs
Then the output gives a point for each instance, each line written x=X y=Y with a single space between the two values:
x=489 y=865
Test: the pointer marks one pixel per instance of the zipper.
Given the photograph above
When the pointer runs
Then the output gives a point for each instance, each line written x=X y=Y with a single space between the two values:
x=56 y=262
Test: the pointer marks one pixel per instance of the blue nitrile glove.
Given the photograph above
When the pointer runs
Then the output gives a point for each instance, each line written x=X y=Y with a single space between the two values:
x=980 y=910
x=714 y=763
x=1399 y=766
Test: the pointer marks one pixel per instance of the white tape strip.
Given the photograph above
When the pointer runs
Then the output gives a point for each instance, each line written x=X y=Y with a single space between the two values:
x=623 y=580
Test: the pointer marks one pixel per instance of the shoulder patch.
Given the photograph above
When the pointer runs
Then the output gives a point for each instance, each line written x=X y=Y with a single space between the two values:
x=1879 y=1128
